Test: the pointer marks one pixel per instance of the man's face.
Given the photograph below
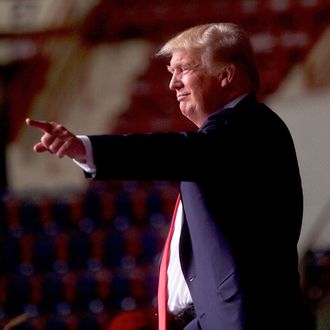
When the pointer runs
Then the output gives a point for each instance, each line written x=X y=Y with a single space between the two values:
x=198 y=92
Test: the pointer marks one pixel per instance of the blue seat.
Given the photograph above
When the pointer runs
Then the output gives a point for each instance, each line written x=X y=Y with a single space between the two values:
x=43 y=253
x=85 y=291
x=52 y=292
x=79 y=250
x=9 y=254
x=18 y=292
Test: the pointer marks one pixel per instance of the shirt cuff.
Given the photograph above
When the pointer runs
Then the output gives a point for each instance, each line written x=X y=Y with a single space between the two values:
x=89 y=165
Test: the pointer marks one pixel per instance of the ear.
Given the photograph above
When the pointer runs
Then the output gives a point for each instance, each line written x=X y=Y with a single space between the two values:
x=227 y=74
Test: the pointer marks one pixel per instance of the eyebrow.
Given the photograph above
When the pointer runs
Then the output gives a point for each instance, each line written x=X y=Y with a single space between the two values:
x=170 y=69
x=183 y=66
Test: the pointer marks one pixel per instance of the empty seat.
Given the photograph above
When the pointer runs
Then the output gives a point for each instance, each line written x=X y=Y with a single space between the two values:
x=18 y=294
x=92 y=207
x=35 y=282
x=43 y=253
x=61 y=215
x=97 y=244
x=133 y=243
x=69 y=286
x=61 y=243
x=52 y=292
x=120 y=289
x=152 y=244
x=10 y=254
x=85 y=291
x=88 y=322
x=107 y=206
x=79 y=250
x=56 y=323
x=30 y=217
x=113 y=248
x=26 y=248
x=123 y=204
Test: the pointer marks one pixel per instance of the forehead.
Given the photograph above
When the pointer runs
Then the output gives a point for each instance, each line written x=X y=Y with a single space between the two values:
x=181 y=56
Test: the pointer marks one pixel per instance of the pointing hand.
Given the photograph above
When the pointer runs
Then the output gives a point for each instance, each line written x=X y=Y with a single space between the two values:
x=57 y=140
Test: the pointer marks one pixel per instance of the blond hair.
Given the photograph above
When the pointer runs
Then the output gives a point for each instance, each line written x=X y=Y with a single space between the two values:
x=218 y=43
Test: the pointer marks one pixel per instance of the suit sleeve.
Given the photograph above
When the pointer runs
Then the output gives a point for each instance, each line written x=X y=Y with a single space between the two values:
x=154 y=156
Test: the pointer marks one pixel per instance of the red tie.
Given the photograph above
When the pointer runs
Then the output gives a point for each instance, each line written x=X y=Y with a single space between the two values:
x=162 y=283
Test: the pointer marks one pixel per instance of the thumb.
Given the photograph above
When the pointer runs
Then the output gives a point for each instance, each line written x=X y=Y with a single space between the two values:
x=39 y=147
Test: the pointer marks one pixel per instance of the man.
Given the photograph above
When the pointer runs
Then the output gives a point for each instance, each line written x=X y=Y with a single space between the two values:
x=233 y=261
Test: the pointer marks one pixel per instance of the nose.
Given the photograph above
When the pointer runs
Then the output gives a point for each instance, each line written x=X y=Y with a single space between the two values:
x=175 y=82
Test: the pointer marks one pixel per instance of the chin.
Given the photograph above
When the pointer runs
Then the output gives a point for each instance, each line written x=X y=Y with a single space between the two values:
x=186 y=109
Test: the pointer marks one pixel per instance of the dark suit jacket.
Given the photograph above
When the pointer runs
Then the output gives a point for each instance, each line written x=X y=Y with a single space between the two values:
x=242 y=201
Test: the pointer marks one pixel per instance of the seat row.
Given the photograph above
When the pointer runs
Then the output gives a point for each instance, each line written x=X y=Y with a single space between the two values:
x=94 y=208
x=80 y=250
x=77 y=292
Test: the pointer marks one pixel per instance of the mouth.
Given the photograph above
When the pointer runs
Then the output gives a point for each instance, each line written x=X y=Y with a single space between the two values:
x=180 y=97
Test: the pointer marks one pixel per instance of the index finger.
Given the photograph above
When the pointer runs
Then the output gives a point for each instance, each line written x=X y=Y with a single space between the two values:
x=40 y=124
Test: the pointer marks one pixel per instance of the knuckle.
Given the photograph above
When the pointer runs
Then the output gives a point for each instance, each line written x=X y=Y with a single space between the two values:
x=65 y=133
x=44 y=140
x=58 y=128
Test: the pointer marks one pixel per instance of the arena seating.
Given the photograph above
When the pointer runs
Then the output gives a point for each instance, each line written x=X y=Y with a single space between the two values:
x=65 y=266
x=74 y=261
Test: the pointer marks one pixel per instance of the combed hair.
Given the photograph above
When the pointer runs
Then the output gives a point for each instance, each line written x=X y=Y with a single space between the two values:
x=217 y=44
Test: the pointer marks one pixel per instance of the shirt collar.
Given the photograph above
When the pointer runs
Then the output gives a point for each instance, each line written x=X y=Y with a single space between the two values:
x=228 y=106
x=234 y=102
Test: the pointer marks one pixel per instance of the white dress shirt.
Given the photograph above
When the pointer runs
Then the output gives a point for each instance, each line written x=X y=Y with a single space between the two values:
x=178 y=293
